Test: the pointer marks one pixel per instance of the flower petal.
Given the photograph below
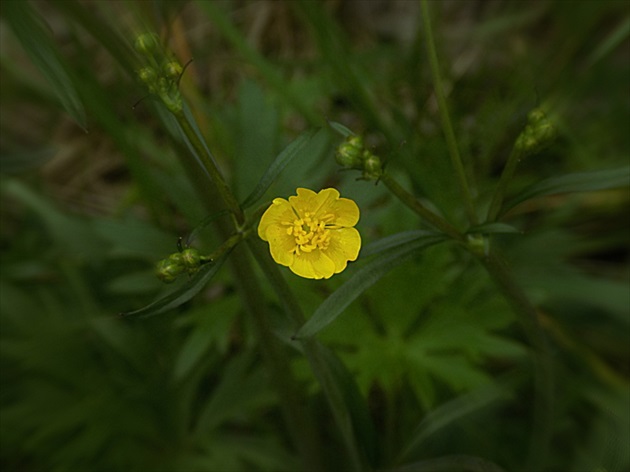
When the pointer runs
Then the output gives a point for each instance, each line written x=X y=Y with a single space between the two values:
x=281 y=244
x=346 y=212
x=345 y=244
x=313 y=265
x=279 y=212
x=316 y=204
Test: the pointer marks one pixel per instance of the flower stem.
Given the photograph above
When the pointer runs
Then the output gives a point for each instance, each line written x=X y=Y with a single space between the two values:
x=447 y=127
x=413 y=203
x=300 y=425
x=208 y=162
x=313 y=351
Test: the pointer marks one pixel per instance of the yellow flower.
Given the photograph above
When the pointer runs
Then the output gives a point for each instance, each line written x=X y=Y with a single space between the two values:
x=312 y=233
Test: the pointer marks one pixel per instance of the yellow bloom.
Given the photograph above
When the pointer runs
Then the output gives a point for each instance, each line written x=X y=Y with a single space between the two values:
x=312 y=233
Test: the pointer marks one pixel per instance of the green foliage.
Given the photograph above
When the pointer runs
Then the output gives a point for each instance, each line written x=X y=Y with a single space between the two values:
x=503 y=347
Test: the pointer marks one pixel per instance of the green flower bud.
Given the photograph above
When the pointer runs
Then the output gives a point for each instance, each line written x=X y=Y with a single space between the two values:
x=147 y=43
x=538 y=133
x=372 y=166
x=349 y=153
x=191 y=258
x=172 y=70
x=148 y=76
x=167 y=270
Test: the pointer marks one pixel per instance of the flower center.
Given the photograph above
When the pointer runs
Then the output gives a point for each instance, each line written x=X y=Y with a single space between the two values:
x=310 y=232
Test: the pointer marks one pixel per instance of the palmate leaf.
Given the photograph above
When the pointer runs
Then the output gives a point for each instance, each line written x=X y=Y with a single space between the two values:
x=580 y=182
x=364 y=278
x=180 y=294
x=31 y=31
x=299 y=148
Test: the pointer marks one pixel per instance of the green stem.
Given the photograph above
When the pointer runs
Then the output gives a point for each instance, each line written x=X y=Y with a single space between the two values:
x=506 y=177
x=543 y=372
x=413 y=203
x=313 y=352
x=299 y=424
x=206 y=159
x=447 y=127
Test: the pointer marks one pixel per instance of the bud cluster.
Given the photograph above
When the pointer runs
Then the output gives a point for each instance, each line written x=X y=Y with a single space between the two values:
x=161 y=73
x=352 y=154
x=538 y=133
x=187 y=261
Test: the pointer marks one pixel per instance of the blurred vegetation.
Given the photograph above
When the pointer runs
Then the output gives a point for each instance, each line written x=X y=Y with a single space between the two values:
x=435 y=370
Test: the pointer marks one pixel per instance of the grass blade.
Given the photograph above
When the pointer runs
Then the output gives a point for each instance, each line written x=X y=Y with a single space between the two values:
x=363 y=279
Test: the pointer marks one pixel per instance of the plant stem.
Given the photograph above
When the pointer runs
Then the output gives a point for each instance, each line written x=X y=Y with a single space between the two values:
x=299 y=424
x=543 y=369
x=447 y=127
x=313 y=351
x=208 y=162
x=499 y=192
x=413 y=203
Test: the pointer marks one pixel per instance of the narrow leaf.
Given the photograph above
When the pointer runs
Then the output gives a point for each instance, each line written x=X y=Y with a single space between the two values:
x=453 y=411
x=181 y=294
x=581 y=182
x=363 y=279
x=292 y=151
x=341 y=129
x=32 y=32
x=394 y=240
x=450 y=464
x=492 y=228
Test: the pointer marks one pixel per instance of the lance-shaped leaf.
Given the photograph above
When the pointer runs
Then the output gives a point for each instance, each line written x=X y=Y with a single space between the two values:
x=341 y=129
x=493 y=228
x=363 y=279
x=32 y=32
x=298 y=148
x=581 y=182
x=181 y=294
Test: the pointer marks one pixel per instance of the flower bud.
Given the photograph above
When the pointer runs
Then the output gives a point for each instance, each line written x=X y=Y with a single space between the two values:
x=349 y=153
x=191 y=258
x=146 y=43
x=538 y=133
x=147 y=75
x=167 y=270
x=172 y=70
x=372 y=166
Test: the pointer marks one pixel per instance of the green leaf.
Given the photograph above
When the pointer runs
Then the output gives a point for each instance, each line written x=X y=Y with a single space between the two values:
x=394 y=240
x=298 y=148
x=493 y=228
x=180 y=294
x=363 y=279
x=581 y=182
x=362 y=424
x=341 y=129
x=449 y=464
x=453 y=411
x=32 y=32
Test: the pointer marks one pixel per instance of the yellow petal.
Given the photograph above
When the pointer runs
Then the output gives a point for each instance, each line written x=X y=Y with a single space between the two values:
x=346 y=212
x=313 y=265
x=316 y=204
x=279 y=212
x=345 y=244
x=281 y=245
